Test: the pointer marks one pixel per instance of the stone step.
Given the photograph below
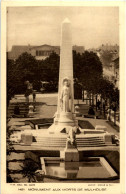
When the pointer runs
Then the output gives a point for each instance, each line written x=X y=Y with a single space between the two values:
x=65 y=136
x=89 y=140
x=93 y=138
x=17 y=114
x=53 y=142
x=88 y=143
x=61 y=141
x=64 y=145
x=64 y=139
x=50 y=139
x=18 y=104
x=21 y=107
x=21 y=111
x=79 y=142
x=48 y=145
x=92 y=143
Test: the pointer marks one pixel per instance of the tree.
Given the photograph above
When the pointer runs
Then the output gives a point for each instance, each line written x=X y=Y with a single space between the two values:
x=49 y=71
x=49 y=68
x=27 y=65
x=28 y=170
x=88 y=70
x=24 y=68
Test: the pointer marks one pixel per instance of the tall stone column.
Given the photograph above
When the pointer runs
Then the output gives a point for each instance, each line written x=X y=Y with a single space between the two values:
x=65 y=109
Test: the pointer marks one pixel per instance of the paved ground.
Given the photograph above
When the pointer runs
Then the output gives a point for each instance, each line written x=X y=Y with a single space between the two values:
x=50 y=106
x=47 y=106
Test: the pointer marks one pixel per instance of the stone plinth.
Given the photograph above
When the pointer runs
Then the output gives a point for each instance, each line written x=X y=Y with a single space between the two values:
x=66 y=118
x=101 y=127
x=26 y=138
x=31 y=108
x=70 y=155
x=108 y=138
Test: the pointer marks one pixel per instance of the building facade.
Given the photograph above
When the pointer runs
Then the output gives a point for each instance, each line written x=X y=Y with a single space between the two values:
x=39 y=52
x=112 y=72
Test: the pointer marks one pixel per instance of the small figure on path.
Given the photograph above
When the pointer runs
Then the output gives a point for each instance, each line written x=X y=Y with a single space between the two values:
x=98 y=104
x=109 y=114
x=28 y=90
x=104 y=108
x=34 y=96
x=91 y=111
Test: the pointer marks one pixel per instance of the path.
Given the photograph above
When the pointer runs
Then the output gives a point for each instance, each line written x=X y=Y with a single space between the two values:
x=49 y=106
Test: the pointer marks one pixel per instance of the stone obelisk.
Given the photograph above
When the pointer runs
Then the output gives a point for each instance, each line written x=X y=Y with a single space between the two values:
x=65 y=110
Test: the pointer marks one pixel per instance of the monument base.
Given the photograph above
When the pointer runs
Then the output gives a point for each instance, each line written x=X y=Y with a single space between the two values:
x=62 y=128
x=66 y=119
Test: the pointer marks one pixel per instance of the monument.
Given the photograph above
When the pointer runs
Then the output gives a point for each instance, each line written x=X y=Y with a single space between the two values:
x=65 y=131
x=65 y=142
x=65 y=116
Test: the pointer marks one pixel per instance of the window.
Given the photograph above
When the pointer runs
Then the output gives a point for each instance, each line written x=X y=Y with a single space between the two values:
x=37 y=54
x=43 y=53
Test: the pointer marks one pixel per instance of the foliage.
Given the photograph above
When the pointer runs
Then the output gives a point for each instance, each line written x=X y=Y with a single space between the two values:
x=28 y=170
x=9 y=144
x=107 y=90
x=24 y=68
x=27 y=64
x=49 y=68
x=87 y=71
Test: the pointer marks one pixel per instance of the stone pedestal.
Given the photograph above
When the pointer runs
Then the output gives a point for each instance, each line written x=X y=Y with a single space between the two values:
x=70 y=155
x=31 y=108
x=66 y=118
x=108 y=138
x=26 y=138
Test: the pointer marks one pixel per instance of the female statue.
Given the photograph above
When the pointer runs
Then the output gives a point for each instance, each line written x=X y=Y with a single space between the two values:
x=65 y=95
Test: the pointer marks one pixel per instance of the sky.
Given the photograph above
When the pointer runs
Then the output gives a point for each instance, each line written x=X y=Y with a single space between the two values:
x=91 y=26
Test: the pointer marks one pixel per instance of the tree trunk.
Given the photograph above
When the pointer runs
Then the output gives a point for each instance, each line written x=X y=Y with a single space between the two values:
x=96 y=102
x=83 y=95
x=101 y=107
x=115 y=118
x=92 y=99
